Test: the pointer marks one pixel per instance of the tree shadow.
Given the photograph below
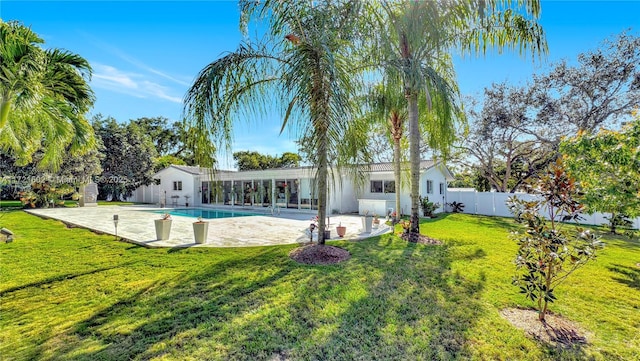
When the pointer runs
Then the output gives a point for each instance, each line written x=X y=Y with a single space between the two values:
x=192 y=304
x=630 y=275
x=391 y=300
x=59 y=278
x=412 y=306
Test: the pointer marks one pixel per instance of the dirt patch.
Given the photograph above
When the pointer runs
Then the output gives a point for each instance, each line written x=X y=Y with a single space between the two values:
x=422 y=239
x=556 y=330
x=319 y=254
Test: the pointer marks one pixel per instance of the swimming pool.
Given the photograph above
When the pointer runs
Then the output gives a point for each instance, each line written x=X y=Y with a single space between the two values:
x=205 y=213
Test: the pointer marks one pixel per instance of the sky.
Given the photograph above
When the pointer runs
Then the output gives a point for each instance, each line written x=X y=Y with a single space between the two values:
x=145 y=54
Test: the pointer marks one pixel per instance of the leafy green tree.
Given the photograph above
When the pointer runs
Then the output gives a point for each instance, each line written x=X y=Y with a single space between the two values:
x=548 y=252
x=44 y=95
x=602 y=89
x=505 y=154
x=413 y=44
x=304 y=62
x=389 y=107
x=251 y=160
x=128 y=160
x=75 y=170
x=607 y=165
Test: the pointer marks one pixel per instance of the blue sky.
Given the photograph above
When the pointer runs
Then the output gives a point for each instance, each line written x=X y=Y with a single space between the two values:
x=145 y=54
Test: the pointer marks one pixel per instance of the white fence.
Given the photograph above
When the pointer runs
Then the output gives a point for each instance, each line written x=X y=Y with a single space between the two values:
x=494 y=204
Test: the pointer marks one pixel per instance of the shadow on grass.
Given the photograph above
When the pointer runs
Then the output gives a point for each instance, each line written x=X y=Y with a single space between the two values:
x=630 y=275
x=58 y=278
x=391 y=300
x=415 y=309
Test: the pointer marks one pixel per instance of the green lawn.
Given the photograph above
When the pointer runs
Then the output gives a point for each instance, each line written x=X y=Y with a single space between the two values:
x=70 y=294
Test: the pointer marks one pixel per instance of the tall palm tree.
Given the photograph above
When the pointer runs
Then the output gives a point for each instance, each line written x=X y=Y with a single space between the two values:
x=302 y=65
x=44 y=95
x=389 y=108
x=413 y=46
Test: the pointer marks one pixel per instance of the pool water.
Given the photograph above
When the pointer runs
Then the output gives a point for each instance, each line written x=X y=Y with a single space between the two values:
x=205 y=213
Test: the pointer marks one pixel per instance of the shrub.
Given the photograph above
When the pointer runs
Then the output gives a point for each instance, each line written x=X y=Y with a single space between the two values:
x=456 y=207
x=428 y=207
x=549 y=252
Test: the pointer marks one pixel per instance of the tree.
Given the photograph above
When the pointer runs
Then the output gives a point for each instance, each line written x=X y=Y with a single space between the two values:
x=74 y=171
x=548 y=253
x=44 y=95
x=169 y=139
x=504 y=153
x=303 y=62
x=388 y=107
x=128 y=158
x=250 y=160
x=602 y=89
x=607 y=165
x=414 y=40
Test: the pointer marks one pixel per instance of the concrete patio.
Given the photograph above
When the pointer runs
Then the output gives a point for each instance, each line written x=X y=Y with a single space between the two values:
x=137 y=226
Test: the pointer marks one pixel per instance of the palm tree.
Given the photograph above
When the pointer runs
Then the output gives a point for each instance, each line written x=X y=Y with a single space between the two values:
x=44 y=95
x=413 y=46
x=389 y=108
x=303 y=65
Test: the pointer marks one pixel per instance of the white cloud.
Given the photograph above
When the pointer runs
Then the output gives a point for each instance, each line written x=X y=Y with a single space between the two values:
x=108 y=75
x=129 y=83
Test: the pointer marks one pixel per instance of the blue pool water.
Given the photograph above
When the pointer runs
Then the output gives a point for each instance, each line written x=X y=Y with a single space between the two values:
x=205 y=213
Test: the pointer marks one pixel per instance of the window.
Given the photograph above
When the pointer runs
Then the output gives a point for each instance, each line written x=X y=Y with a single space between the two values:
x=429 y=187
x=177 y=185
x=441 y=188
x=389 y=186
x=376 y=186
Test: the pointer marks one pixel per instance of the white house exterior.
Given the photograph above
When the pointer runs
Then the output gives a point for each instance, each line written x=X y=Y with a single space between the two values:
x=292 y=188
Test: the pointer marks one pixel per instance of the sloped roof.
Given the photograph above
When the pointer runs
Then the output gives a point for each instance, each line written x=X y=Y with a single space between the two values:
x=388 y=167
x=374 y=167
x=189 y=169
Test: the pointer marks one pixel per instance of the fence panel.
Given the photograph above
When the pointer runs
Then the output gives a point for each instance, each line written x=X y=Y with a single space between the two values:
x=494 y=204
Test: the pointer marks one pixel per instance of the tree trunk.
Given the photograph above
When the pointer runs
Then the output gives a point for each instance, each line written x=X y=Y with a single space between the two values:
x=322 y=186
x=396 y=175
x=414 y=156
x=5 y=106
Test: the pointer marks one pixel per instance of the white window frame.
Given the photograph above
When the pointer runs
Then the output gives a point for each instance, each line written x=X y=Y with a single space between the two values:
x=429 y=186
x=177 y=185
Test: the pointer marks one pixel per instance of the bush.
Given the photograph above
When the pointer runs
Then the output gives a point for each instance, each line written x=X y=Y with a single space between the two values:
x=428 y=207
x=548 y=253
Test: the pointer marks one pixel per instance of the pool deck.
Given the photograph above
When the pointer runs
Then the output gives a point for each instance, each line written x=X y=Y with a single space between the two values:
x=137 y=227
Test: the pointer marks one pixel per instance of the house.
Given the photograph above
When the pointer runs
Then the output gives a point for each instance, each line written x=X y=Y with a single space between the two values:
x=371 y=190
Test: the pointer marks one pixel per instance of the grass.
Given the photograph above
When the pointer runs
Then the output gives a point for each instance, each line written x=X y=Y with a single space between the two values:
x=73 y=295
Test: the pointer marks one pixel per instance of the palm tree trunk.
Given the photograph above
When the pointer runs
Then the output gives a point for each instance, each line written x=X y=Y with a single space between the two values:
x=396 y=174
x=322 y=186
x=414 y=157
x=5 y=105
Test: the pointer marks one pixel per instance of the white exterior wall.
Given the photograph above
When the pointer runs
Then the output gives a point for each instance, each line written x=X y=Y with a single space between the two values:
x=380 y=203
x=342 y=196
x=169 y=175
x=437 y=177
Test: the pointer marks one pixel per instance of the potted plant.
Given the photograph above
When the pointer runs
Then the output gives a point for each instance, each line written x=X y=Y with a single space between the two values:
x=200 y=230
x=163 y=227
x=367 y=221
x=428 y=207
x=342 y=230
